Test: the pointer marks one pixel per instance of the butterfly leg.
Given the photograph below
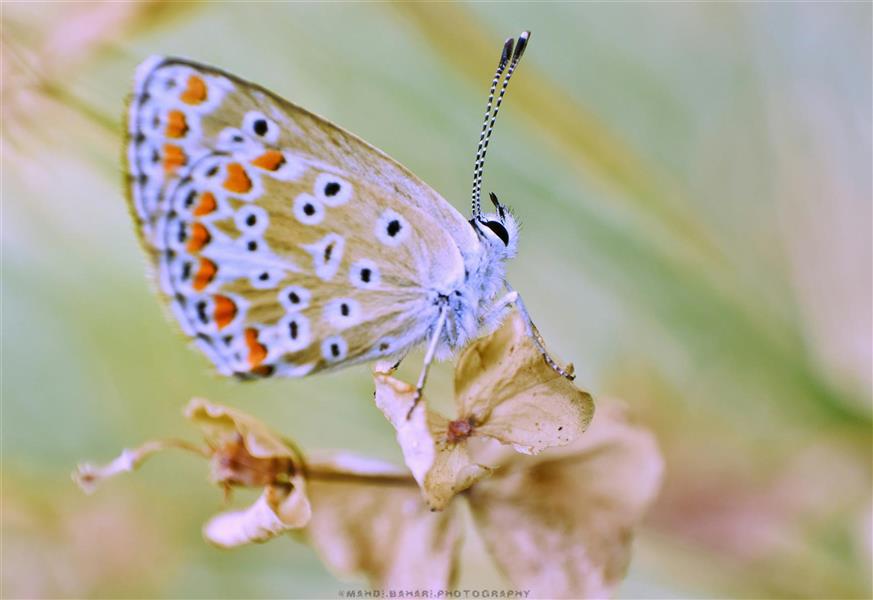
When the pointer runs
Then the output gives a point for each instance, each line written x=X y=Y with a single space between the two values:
x=538 y=341
x=428 y=357
x=494 y=317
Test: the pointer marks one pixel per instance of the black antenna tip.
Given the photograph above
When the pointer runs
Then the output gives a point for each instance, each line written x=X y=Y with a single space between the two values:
x=494 y=199
x=507 y=50
x=522 y=44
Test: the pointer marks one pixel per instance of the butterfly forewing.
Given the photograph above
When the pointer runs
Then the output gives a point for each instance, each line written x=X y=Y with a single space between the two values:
x=284 y=244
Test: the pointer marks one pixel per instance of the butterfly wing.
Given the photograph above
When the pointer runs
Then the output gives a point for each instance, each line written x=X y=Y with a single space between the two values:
x=283 y=243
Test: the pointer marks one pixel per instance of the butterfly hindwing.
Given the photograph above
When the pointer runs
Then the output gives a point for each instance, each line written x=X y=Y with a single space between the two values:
x=283 y=244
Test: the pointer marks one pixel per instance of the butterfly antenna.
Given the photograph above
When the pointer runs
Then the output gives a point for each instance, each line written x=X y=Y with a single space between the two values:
x=505 y=54
x=510 y=55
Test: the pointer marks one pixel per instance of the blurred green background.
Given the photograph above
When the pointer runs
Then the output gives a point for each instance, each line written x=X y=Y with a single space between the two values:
x=694 y=182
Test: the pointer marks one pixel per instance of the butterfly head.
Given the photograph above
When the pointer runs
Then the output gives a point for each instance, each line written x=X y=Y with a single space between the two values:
x=498 y=230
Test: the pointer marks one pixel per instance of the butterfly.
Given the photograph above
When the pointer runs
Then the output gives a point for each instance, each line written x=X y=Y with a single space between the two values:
x=287 y=246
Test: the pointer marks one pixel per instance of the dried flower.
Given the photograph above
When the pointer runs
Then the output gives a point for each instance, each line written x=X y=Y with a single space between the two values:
x=243 y=452
x=558 y=523
x=504 y=391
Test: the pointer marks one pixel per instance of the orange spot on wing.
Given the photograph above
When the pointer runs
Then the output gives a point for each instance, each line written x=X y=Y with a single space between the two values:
x=257 y=351
x=206 y=205
x=177 y=125
x=195 y=93
x=237 y=179
x=225 y=311
x=174 y=157
x=205 y=274
x=269 y=160
x=199 y=237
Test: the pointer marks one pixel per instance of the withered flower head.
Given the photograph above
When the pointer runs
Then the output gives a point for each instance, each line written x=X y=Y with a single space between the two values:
x=559 y=524
x=243 y=452
x=246 y=453
x=504 y=391
x=556 y=510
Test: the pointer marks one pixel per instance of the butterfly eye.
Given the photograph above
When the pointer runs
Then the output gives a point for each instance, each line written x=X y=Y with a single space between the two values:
x=499 y=230
x=259 y=126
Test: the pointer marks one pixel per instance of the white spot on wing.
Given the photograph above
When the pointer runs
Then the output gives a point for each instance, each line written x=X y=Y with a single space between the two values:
x=327 y=253
x=334 y=348
x=185 y=199
x=385 y=346
x=391 y=228
x=332 y=190
x=294 y=298
x=306 y=202
x=209 y=171
x=270 y=132
x=265 y=279
x=342 y=313
x=293 y=332
x=251 y=220
x=232 y=140
x=363 y=267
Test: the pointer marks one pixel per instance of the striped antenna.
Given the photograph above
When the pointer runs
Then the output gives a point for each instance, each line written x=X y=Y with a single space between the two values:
x=510 y=54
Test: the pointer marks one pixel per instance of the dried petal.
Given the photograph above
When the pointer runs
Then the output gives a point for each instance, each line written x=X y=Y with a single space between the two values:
x=453 y=472
x=345 y=464
x=441 y=468
x=394 y=397
x=503 y=384
x=560 y=525
x=377 y=524
x=278 y=509
x=88 y=475
x=221 y=424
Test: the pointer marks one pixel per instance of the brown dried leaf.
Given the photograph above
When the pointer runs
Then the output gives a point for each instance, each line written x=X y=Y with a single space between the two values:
x=561 y=524
x=369 y=518
x=503 y=384
x=441 y=468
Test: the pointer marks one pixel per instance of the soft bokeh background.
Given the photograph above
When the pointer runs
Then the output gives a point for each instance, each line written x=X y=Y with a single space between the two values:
x=695 y=186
